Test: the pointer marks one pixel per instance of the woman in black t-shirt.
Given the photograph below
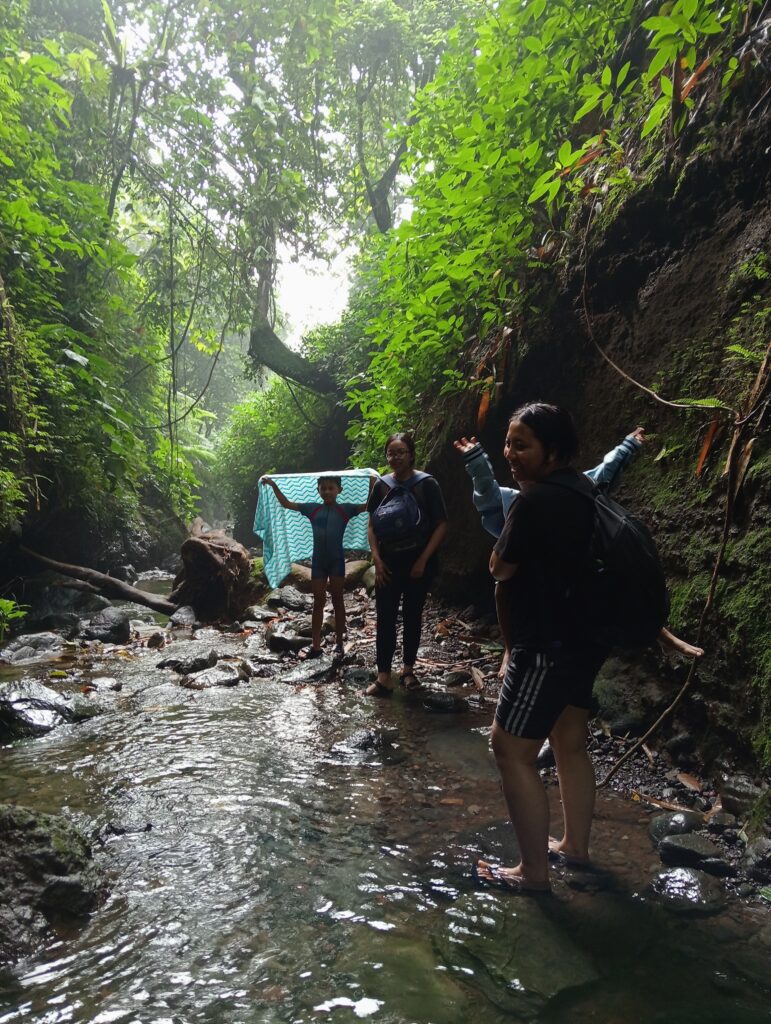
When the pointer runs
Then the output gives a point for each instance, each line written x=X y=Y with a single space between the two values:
x=547 y=688
x=403 y=569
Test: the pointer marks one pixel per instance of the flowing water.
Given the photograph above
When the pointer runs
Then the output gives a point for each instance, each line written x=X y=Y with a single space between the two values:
x=266 y=871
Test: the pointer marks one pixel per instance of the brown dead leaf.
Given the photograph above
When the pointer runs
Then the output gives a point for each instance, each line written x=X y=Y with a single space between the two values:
x=689 y=781
x=482 y=411
x=451 y=801
x=707 y=446
x=479 y=679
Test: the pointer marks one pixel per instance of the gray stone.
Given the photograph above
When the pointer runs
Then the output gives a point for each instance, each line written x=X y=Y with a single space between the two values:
x=46 y=874
x=224 y=674
x=738 y=794
x=289 y=597
x=757 y=859
x=110 y=626
x=310 y=671
x=438 y=699
x=492 y=947
x=452 y=679
x=101 y=683
x=30 y=646
x=189 y=666
x=720 y=822
x=257 y=613
x=281 y=636
x=687 y=850
x=368 y=579
x=674 y=824
x=184 y=616
x=359 y=677
x=687 y=891
x=28 y=708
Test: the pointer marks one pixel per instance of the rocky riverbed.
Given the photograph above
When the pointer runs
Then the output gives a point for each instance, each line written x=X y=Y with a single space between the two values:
x=667 y=837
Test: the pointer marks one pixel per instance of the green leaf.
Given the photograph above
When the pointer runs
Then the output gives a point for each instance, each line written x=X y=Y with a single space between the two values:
x=607 y=76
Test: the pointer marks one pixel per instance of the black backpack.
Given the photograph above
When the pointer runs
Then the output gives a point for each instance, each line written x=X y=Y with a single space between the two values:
x=621 y=594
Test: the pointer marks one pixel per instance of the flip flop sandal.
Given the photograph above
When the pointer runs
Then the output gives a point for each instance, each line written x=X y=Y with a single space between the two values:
x=312 y=652
x=377 y=690
x=414 y=685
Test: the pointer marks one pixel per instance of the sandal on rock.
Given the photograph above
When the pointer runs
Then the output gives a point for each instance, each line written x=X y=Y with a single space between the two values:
x=312 y=652
x=377 y=689
x=414 y=685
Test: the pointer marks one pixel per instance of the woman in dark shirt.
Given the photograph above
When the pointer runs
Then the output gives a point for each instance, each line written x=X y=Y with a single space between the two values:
x=548 y=684
x=403 y=570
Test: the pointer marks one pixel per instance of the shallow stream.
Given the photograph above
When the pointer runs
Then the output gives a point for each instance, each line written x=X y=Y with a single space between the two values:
x=264 y=871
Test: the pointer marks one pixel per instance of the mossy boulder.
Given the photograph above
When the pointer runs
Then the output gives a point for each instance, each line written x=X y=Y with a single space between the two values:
x=48 y=879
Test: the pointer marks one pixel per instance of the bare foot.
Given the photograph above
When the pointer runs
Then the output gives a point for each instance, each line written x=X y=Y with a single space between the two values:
x=559 y=851
x=510 y=879
x=671 y=644
x=504 y=664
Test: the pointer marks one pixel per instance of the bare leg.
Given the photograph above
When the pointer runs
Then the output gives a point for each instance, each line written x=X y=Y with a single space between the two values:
x=338 y=604
x=670 y=643
x=577 y=783
x=527 y=805
x=319 y=588
x=504 y=618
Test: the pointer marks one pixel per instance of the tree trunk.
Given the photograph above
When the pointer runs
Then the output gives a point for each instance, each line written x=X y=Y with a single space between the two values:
x=267 y=349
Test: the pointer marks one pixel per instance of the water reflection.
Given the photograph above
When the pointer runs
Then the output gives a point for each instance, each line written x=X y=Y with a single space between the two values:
x=258 y=876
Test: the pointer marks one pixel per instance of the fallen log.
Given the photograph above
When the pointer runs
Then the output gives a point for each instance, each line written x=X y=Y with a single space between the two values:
x=104 y=584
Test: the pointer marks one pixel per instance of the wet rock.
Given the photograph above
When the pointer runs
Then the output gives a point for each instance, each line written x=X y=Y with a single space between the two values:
x=281 y=636
x=127 y=573
x=207 y=634
x=368 y=579
x=681 y=743
x=224 y=674
x=105 y=683
x=452 y=679
x=718 y=867
x=437 y=699
x=687 y=850
x=687 y=891
x=32 y=646
x=254 y=669
x=28 y=708
x=738 y=794
x=156 y=640
x=757 y=859
x=289 y=597
x=545 y=757
x=491 y=947
x=371 y=739
x=674 y=824
x=184 y=616
x=189 y=666
x=628 y=725
x=67 y=623
x=720 y=822
x=311 y=671
x=257 y=613
x=359 y=677
x=110 y=626
x=47 y=876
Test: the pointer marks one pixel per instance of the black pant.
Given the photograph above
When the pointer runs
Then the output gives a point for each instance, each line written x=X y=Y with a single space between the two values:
x=411 y=594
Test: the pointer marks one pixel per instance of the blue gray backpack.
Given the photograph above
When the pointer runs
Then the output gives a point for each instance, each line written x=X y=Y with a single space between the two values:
x=398 y=519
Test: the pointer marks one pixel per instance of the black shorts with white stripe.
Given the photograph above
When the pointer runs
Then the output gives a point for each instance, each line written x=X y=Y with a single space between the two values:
x=539 y=685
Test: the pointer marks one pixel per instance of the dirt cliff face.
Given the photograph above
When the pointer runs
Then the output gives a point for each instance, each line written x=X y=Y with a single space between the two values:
x=675 y=274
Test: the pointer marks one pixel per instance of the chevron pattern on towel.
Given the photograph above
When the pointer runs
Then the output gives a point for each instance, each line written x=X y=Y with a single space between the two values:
x=287 y=536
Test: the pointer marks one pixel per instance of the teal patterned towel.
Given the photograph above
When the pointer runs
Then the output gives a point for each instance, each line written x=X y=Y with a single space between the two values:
x=286 y=535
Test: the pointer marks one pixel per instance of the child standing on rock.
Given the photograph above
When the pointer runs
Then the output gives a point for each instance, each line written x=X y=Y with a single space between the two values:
x=328 y=519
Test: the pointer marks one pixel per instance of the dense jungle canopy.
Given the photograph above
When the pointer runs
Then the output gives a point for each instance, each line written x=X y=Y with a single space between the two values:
x=160 y=162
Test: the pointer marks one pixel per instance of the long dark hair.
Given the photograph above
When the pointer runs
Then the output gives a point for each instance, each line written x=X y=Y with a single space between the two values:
x=553 y=427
